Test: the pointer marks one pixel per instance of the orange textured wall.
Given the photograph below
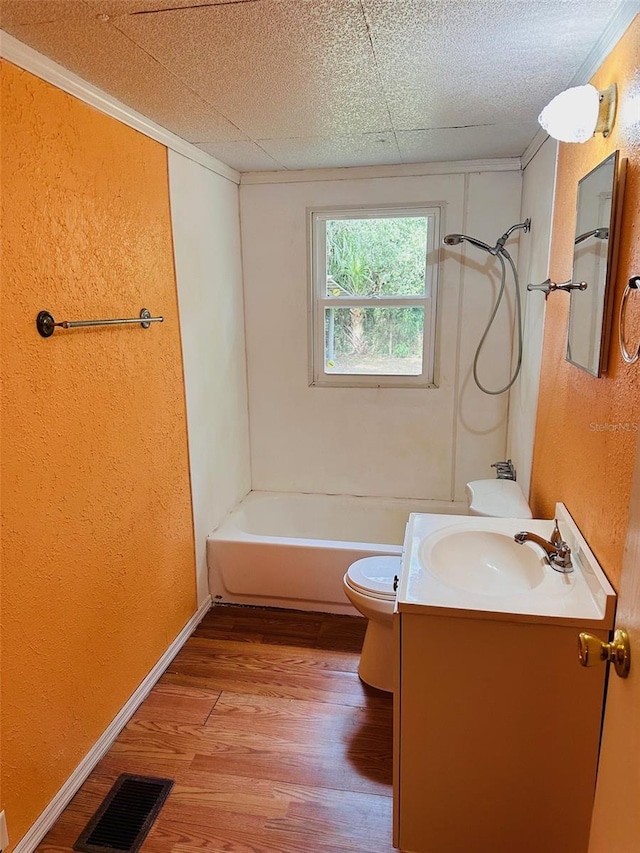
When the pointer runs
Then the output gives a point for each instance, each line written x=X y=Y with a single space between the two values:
x=98 y=573
x=588 y=468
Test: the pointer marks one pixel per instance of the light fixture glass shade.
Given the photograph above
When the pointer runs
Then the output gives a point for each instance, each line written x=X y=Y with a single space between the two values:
x=572 y=116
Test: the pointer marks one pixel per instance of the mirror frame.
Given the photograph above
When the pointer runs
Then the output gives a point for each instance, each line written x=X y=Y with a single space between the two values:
x=615 y=219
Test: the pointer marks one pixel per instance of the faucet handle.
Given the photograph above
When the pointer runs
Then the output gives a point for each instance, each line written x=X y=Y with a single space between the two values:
x=561 y=560
x=556 y=537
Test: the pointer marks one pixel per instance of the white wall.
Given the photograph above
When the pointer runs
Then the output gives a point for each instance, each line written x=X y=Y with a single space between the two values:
x=206 y=234
x=533 y=267
x=416 y=443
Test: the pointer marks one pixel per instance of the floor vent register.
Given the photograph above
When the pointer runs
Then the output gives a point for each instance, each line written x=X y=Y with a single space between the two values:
x=126 y=815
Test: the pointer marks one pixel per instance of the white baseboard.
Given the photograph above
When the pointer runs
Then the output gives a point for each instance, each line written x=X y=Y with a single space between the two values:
x=52 y=812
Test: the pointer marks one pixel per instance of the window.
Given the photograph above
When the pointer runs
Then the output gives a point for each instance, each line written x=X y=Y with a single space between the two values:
x=374 y=276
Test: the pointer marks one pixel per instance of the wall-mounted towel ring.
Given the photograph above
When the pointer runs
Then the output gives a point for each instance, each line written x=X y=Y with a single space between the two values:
x=630 y=358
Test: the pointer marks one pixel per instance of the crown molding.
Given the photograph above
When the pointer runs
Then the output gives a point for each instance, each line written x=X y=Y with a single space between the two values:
x=611 y=35
x=533 y=147
x=46 y=69
x=404 y=170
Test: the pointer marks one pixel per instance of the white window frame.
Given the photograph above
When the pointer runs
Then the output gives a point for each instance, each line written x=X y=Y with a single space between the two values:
x=317 y=219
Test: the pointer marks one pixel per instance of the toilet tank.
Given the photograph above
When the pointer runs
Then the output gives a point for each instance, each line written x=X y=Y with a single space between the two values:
x=497 y=499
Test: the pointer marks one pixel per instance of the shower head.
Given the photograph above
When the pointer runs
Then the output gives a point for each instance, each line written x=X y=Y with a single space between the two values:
x=456 y=239
x=498 y=249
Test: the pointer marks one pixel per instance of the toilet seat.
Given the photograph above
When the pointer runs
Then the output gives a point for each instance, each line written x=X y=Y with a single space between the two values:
x=374 y=576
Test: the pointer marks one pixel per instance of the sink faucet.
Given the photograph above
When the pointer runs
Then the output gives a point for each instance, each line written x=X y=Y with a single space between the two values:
x=556 y=549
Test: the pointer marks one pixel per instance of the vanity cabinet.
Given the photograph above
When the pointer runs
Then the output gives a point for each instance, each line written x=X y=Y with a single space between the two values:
x=496 y=724
x=496 y=738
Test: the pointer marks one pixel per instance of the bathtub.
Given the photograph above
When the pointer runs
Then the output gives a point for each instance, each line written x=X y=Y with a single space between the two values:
x=282 y=549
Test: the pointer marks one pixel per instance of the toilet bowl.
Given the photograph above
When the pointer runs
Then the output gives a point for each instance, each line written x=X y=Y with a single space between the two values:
x=368 y=584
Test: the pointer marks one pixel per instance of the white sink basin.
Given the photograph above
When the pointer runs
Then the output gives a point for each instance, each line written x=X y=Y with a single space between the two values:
x=482 y=561
x=472 y=567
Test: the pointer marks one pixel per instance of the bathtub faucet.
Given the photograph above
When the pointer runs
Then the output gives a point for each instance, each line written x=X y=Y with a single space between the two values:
x=505 y=470
x=556 y=549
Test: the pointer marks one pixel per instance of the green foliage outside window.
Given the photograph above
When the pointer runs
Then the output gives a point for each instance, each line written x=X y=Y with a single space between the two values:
x=375 y=258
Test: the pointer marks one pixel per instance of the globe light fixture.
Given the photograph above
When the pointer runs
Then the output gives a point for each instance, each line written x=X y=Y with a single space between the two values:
x=577 y=114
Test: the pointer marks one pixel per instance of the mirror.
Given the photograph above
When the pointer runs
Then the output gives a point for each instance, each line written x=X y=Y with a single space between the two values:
x=599 y=198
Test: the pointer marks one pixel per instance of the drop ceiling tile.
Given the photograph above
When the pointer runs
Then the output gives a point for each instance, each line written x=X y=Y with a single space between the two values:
x=458 y=63
x=273 y=68
x=116 y=8
x=242 y=156
x=365 y=149
x=472 y=143
x=17 y=12
x=324 y=82
x=102 y=55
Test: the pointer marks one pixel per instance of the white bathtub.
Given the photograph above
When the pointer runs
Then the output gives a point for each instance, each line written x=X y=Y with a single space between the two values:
x=283 y=549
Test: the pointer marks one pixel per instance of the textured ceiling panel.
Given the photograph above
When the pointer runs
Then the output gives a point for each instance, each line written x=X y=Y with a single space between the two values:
x=243 y=156
x=102 y=55
x=273 y=68
x=17 y=12
x=269 y=84
x=115 y=8
x=453 y=64
x=304 y=153
x=471 y=143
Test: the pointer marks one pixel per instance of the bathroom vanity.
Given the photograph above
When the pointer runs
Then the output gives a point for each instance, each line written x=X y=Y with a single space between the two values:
x=496 y=724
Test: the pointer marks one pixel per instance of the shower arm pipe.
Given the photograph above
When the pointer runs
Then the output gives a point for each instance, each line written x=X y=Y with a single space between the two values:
x=525 y=226
x=598 y=233
x=499 y=247
x=549 y=286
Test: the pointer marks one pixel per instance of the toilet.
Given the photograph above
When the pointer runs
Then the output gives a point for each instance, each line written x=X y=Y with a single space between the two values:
x=369 y=582
x=369 y=586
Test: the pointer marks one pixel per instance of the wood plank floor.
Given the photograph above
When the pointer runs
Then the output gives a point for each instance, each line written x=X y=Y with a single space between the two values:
x=274 y=743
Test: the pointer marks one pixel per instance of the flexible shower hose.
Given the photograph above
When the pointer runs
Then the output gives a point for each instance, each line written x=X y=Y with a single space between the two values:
x=501 y=255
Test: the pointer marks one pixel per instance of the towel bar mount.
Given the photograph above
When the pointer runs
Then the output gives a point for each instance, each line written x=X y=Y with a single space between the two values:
x=46 y=325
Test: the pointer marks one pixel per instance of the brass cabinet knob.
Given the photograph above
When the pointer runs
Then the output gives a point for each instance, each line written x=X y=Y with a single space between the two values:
x=591 y=650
